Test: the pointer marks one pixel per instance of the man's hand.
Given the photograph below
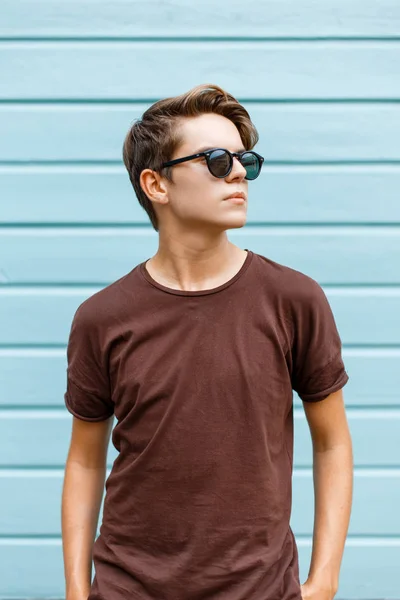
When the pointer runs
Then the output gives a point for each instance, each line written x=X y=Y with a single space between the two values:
x=317 y=591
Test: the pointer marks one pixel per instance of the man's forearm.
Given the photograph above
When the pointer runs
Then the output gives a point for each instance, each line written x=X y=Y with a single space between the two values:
x=81 y=500
x=333 y=489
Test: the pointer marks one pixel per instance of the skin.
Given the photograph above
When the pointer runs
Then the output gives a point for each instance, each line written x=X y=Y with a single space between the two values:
x=194 y=253
x=83 y=487
x=333 y=489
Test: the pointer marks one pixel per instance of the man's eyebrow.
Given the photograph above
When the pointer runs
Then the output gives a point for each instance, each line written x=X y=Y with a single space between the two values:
x=204 y=148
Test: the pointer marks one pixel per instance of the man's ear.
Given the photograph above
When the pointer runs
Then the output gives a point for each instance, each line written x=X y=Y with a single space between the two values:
x=153 y=186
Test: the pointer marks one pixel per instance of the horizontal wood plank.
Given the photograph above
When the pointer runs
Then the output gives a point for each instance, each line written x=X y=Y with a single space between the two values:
x=369 y=568
x=41 y=437
x=173 y=18
x=294 y=70
x=378 y=516
x=282 y=194
x=42 y=316
x=36 y=377
x=289 y=132
x=331 y=255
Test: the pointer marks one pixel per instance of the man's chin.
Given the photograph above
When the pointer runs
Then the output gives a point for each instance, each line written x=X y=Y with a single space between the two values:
x=236 y=223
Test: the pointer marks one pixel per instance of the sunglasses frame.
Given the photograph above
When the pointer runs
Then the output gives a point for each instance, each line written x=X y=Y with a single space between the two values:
x=207 y=155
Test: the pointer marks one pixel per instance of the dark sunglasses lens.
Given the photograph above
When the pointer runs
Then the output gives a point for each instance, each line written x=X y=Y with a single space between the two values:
x=219 y=163
x=252 y=164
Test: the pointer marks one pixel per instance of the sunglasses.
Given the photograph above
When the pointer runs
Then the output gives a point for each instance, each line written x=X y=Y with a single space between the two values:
x=220 y=162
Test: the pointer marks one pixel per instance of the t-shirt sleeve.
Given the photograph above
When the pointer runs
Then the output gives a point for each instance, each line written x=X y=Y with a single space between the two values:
x=87 y=393
x=318 y=369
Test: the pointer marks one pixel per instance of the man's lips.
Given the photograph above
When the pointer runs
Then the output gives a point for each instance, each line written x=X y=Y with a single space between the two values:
x=237 y=195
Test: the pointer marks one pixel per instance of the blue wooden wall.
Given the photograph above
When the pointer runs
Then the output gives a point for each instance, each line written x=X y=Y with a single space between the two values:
x=321 y=80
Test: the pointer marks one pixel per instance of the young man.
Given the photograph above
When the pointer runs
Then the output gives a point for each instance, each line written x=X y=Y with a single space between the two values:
x=197 y=352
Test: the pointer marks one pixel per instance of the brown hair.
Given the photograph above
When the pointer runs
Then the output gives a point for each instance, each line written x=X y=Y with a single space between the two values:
x=154 y=138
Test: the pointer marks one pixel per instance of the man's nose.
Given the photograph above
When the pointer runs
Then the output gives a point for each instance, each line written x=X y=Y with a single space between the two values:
x=237 y=168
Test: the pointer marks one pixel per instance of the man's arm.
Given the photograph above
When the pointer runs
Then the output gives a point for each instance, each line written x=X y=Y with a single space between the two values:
x=82 y=493
x=333 y=490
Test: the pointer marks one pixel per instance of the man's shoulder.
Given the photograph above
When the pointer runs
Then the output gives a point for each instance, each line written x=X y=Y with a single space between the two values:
x=105 y=306
x=286 y=281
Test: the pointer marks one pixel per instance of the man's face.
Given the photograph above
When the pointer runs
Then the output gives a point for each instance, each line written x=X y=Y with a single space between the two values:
x=196 y=198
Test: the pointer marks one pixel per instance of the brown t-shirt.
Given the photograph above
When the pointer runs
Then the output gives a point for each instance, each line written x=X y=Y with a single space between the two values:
x=198 y=502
